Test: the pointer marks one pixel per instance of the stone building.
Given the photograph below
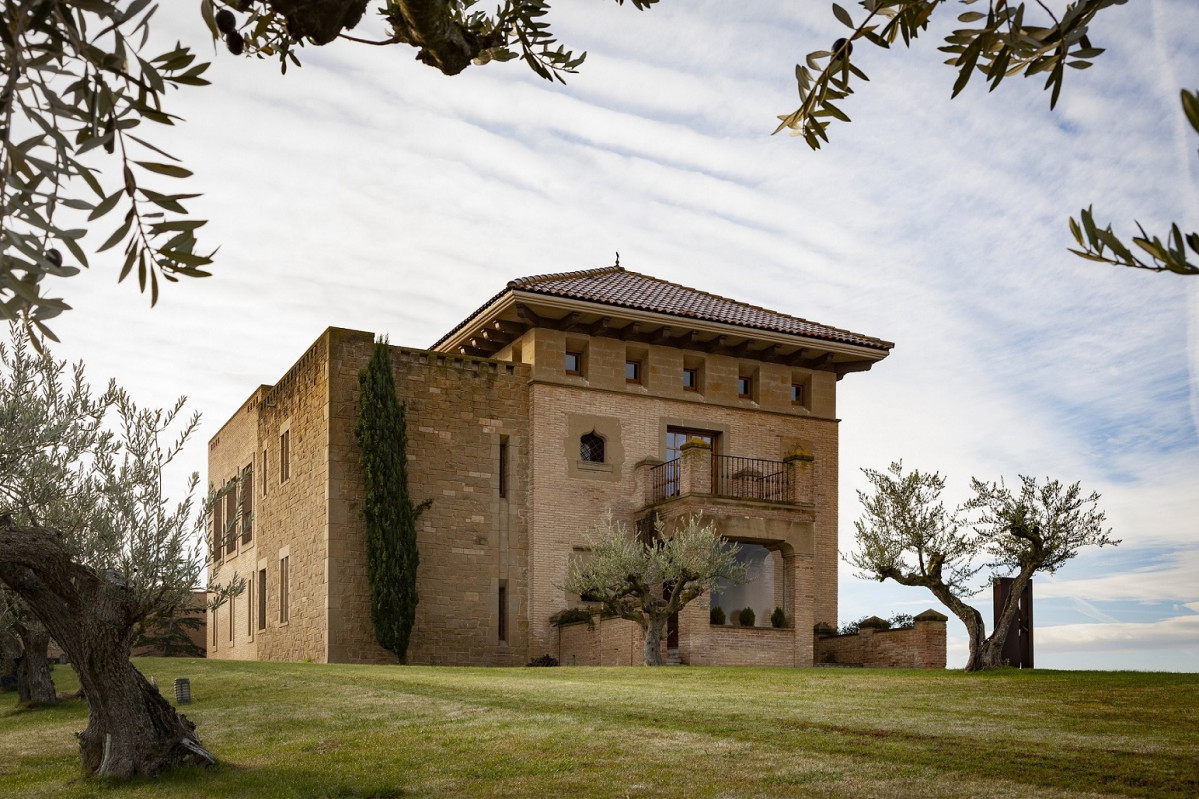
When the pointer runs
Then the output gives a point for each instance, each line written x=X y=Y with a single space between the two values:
x=563 y=396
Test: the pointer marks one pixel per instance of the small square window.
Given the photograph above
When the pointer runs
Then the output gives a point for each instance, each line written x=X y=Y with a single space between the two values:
x=691 y=379
x=745 y=386
x=574 y=363
x=632 y=371
x=796 y=394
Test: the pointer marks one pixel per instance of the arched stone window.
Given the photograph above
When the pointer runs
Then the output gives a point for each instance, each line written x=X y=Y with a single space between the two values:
x=591 y=448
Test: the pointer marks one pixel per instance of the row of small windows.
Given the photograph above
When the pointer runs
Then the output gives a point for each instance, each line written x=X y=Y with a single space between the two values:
x=633 y=375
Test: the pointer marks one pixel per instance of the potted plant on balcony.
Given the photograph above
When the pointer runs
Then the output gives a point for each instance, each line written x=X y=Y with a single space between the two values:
x=746 y=617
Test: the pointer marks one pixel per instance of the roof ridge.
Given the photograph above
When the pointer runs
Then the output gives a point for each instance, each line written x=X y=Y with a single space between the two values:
x=548 y=276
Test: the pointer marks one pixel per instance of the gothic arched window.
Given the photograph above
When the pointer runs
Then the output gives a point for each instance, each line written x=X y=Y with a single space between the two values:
x=591 y=448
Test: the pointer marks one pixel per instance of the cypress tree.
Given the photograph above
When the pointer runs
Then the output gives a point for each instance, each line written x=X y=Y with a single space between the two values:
x=390 y=514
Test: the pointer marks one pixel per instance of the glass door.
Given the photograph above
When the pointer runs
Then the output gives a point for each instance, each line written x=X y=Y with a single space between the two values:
x=676 y=437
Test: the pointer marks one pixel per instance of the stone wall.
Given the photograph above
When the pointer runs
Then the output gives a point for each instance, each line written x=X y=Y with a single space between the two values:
x=289 y=518
x=918 y=647
x=471 y=540
x=292 y=514
x=462 y=414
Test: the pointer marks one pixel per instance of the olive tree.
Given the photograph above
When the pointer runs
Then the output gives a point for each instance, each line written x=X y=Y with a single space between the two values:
x=647 y=580
x=905 y=534
x=92 y=545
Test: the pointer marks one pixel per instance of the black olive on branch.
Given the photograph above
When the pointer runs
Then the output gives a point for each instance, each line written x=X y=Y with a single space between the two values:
x=226 y=22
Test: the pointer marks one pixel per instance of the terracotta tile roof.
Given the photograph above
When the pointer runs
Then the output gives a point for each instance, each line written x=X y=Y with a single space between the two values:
x=617 y=286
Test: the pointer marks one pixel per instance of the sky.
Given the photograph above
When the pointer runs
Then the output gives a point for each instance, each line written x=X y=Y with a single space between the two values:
x=368 y=191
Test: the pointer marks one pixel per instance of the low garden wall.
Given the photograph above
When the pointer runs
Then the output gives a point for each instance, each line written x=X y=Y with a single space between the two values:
x=610 y=642
x=746 y=646
x=921 y=646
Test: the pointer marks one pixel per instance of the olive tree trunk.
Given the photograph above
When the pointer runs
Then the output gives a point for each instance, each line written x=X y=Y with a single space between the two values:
x=34 y=685
x=653 y=641
x=131 y=728
x=976 y=629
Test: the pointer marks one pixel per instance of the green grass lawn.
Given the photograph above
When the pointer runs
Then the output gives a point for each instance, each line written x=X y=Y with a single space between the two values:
x=309 y=730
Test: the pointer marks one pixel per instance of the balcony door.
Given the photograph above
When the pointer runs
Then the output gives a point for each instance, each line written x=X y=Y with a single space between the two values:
x=676 y=437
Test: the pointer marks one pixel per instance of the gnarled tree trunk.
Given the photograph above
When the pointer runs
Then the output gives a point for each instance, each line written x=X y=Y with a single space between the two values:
x=976 y=629
x=654 y=628
x=131 y=728
x=34 y=685
x=991 y=651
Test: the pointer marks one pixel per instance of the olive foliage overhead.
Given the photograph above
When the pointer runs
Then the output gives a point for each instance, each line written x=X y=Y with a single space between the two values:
x=996 y=40
x=78 y=89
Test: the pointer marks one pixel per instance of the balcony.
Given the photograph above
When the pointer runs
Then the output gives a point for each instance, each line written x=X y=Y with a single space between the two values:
x=698 y=472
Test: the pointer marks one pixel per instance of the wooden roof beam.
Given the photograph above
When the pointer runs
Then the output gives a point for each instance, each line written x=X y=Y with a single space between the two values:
x=499 y=337
x=511 y=328
x=819 y=362
x=530 y=316
x=600 y=327
x=743 y=349
x=685 y=340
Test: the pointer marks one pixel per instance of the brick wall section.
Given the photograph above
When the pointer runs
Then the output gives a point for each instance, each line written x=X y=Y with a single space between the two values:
x=918 y=647
x=567 y=500
x=458 y=409
x=611 y=642
x=702 y=644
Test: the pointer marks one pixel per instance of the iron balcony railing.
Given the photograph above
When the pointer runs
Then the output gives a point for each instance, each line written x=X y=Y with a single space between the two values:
x=664 y=480
x=739 y=478
x=749 y=478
